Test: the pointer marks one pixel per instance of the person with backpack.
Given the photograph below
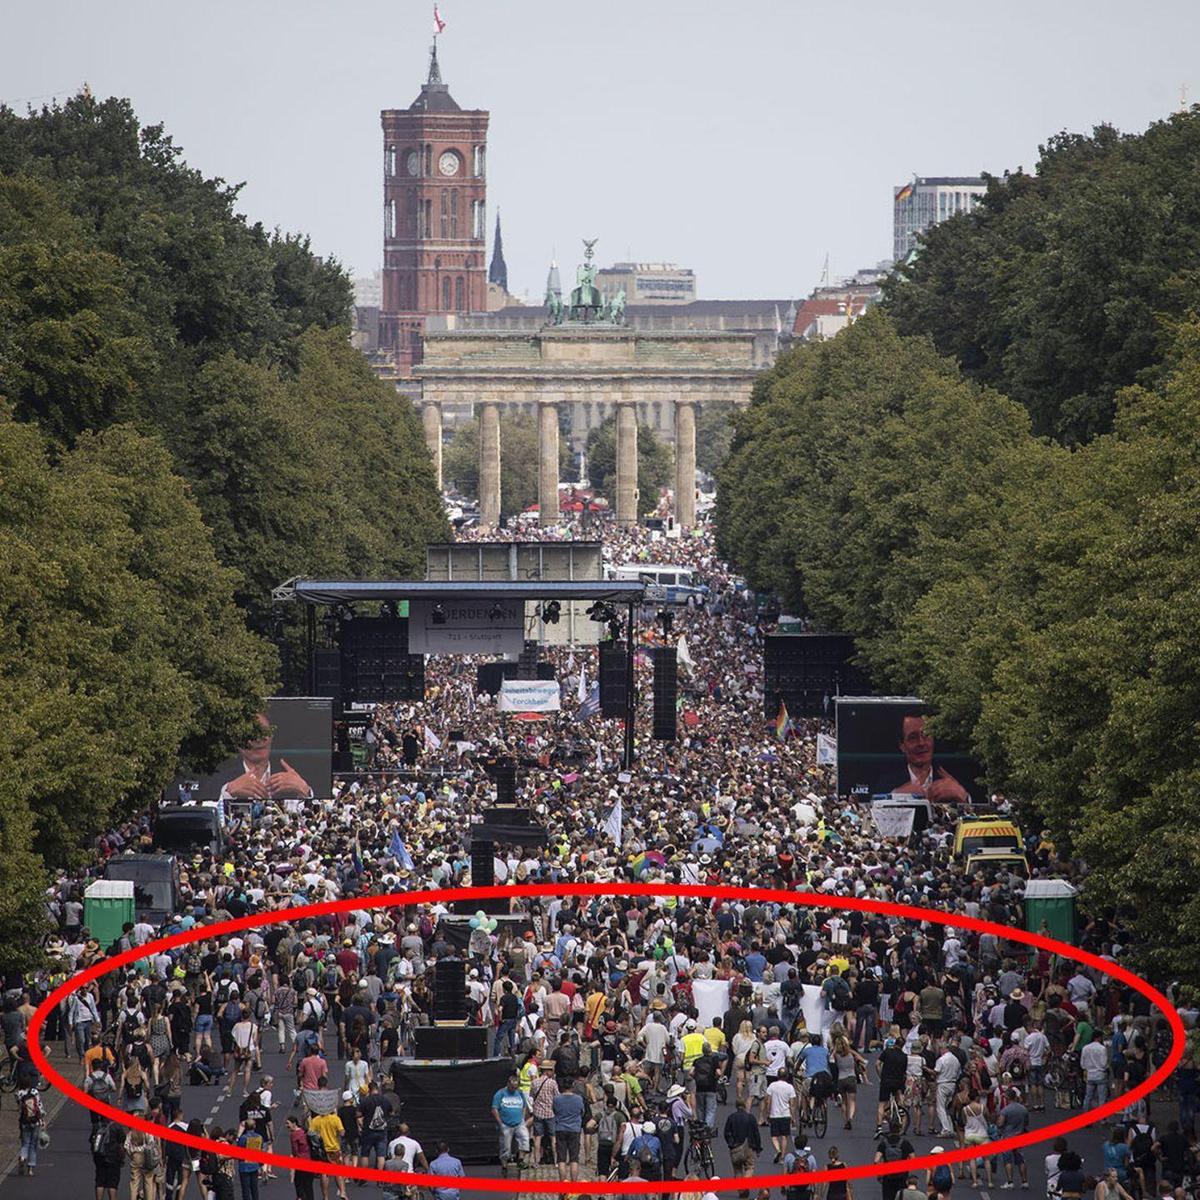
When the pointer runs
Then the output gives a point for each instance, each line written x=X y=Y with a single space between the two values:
x=646 y=1152
x=893 y=1148
x=30 y=1119
x=374 y=1114
x=940 y=1181
x=108 y=1153
x=610 y=1124
x=1143 y=1157
x=706 y=1077
x=144 y=1160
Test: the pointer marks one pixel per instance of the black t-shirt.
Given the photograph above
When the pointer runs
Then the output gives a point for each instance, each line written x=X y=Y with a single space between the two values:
x=893 y=1066
x=866 y=991
x=509 y=1007
x=367 y=1110
x=254 y=1112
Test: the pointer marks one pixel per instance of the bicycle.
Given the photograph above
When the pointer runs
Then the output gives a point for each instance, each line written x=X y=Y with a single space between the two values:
x=699 y=1159
x=9 y=1081
x=1067 y=1082
x=813 y=1112
x=897 y=1113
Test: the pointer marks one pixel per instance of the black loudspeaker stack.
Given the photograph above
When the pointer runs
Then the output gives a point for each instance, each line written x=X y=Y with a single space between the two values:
x=450 y=990
x=376 y=665
x=527 y=662
x=666 y=693
x=503 y=769
x=328 y=664
x=807 y=670
x=613 y=681
x=483 y=862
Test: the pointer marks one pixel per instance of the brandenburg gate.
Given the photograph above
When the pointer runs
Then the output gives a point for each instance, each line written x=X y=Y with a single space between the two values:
x=585 y=357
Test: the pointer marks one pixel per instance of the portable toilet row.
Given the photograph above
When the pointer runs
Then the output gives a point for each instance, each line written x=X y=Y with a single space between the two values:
x=107 y=905
x=1051 y=901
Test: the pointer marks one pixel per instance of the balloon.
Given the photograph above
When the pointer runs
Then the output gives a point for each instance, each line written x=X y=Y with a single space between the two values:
x=474 y=922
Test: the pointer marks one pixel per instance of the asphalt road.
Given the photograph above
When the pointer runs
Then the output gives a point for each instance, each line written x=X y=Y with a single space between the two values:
x=65 y=1169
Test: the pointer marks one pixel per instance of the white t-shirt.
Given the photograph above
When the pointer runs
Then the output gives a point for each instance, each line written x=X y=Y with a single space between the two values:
x=1037 y=1045
x=781 y=1093
x=776 y=1051
x=654 y=1036
x=947 y=1068
x=406 y=1148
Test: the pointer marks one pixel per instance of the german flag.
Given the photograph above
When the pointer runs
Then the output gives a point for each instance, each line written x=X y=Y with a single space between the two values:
x=904 y=193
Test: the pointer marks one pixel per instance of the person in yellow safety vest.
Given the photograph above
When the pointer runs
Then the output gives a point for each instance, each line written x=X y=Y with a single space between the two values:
x=528 y=1073
x=694 y=1043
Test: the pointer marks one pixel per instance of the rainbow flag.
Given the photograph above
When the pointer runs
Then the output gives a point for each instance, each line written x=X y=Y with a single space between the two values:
x=783 y=723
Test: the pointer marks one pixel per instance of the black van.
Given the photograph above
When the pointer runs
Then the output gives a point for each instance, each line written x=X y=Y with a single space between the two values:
x=184 y=828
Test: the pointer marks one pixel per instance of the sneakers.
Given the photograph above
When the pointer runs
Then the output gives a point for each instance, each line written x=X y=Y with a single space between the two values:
x=1007 y=1187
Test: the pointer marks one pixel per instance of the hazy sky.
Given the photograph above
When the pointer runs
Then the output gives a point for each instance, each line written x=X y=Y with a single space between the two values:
x=745 y=140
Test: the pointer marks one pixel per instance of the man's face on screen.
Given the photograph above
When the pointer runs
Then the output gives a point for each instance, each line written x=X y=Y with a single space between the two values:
x=258 y=753
x=916 y=744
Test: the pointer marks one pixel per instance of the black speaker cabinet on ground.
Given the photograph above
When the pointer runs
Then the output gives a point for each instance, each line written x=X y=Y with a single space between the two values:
x=450 y=990
x=376 y=665
x=450 y=1041
x=666 y=693
x=613 y=680
x=807 y=670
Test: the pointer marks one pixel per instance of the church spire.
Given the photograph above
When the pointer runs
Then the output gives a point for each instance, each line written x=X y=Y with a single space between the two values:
x=435 y=72
x=498 y=272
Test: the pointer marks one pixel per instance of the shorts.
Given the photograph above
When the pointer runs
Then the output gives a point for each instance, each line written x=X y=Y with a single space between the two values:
x=543 y=1126
x=758 y=1084
x=567 y=1144
x=373 y=1143
x=847 y=1085
x=781 y=1126
x=976 y=1139
x=204 y=1023
x=1037 y=1075
x=1012 y=1156
x=888 y=1089
x=108 y=1175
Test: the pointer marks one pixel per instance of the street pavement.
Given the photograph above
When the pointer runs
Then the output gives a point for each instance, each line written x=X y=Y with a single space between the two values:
x=65 y=1169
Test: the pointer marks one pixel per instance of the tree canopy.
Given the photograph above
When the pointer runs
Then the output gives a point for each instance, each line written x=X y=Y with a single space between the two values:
x=1053 y=289
x=183 y=424
x=656 y=463
x=1043 y=600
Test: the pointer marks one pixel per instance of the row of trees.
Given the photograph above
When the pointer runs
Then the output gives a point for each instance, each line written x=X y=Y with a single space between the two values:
x=1039 y=591
x=183 y=424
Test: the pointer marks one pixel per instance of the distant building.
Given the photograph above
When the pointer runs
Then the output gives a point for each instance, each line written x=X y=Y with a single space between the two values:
x=648 y=283
x=833 y=306
x=927 y=201
x=368 y=291
x=434 y=216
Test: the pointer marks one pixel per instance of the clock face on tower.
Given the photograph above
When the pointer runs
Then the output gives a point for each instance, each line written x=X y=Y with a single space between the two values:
x=413 y=163
x=448 y=163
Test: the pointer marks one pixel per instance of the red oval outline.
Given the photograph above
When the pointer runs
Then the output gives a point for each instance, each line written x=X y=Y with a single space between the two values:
x=620 y=1187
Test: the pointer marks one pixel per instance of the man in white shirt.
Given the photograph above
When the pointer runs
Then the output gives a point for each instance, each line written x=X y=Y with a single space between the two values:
x=781 y=1112
x=1080 y=989
x=654 y=1036
x=946 y=1071
x=1037 y=1046
x=1093 y=1061
x=776 y=1050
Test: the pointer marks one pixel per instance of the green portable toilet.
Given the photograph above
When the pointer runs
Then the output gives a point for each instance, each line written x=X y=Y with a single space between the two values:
x=107 y=905
x=1051 y=901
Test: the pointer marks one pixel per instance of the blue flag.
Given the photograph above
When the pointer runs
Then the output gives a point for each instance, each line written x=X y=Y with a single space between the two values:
x=397 y=850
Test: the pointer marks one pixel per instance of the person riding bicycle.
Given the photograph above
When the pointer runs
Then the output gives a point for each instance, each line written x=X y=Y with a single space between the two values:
x=817 y=1070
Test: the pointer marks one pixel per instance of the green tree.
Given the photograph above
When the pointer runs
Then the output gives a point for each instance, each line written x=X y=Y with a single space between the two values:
x=714 y=435
x=1052 y=289
x=656 y=463
x=121 y=650
x=518 y=461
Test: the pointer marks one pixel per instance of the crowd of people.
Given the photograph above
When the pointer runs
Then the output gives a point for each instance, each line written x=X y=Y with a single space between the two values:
x=617 y=1071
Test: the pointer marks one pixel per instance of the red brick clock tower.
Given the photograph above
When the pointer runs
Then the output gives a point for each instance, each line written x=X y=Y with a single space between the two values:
x=434 y=215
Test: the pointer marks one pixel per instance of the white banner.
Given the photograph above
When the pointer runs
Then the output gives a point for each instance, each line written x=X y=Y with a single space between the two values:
x=892 y=821
x=466 y=627
x=711 y=997
x=528 y=695
x=826 y=750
